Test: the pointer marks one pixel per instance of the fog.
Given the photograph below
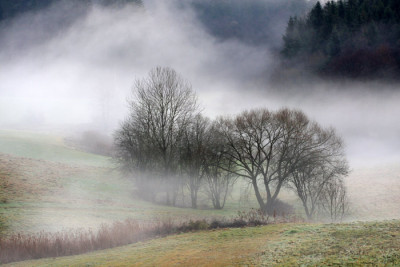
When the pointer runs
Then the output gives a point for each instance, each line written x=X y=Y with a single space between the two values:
x=77 y=73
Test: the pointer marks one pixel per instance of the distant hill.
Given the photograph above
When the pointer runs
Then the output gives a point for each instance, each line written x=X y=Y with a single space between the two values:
x=346 y=38
x=12 y=8
x=255 y=22
x=27 y=23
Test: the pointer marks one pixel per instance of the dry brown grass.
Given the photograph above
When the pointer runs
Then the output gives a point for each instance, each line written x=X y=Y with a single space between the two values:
x=20 y=247
x=31 y=179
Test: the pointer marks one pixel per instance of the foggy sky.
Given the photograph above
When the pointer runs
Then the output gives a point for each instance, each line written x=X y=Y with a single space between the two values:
x=78 y=75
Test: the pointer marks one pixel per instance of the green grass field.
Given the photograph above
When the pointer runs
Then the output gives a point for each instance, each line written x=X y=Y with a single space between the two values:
x=48 y=186
x=45 y=185
x=46 y=147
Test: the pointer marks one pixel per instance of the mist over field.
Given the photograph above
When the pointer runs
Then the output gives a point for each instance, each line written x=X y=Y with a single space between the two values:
x=88 y=67
x=66 y=74
x=78 y=72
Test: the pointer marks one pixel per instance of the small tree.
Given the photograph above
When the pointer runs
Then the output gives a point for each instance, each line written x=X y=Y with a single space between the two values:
x=324 y=163
x=291 y=39
x=334 y=200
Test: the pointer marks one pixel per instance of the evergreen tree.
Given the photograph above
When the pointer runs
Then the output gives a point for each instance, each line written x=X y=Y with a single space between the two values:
x=334 y=45
x=341 y=10
x=316 y=16
x=291 y=39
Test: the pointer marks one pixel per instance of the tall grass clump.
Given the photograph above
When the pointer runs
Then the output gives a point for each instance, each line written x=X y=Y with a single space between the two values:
x=19 y=247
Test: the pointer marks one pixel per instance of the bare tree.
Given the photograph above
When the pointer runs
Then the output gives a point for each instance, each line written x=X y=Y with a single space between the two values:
x=219 y=169
x=334 y=199
x=219 y=184
x=136 y=156
x=323 y=163
x=160 y=109
x=193 y=154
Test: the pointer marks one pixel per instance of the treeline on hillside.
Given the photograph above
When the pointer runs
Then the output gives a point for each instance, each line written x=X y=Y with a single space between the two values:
x=12 y=8
x=353 y=38
x=253 y=21
x=170 y=149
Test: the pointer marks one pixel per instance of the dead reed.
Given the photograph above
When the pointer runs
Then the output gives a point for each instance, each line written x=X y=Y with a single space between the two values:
x=21 y=247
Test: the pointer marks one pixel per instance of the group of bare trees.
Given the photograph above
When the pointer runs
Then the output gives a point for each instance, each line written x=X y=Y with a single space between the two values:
x=280 y=149
x=169 y=147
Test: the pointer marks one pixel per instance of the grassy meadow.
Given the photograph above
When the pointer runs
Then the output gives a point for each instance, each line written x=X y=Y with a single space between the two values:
x=46 y=185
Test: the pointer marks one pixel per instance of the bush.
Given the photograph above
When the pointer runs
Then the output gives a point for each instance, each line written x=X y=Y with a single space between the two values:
x=282 y=209
x=253 y=217
x=194 y=226
x=93 y=142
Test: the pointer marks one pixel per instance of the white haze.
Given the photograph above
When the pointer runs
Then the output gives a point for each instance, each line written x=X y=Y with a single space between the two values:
x=80 y=76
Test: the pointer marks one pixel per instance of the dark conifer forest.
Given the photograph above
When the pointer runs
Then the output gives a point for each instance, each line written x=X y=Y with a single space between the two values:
x=350 y=38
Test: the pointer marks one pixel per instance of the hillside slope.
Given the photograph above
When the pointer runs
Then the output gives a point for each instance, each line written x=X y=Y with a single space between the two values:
x=13 y=8
x=47 y=147
x=46 y=185
x=374 y=192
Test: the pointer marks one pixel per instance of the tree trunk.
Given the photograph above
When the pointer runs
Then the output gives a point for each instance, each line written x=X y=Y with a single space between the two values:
x=258 y=195
x=270 y=206
x=217 y=204
x=168 y=198
x=308 y=213
x=174 y=197
x=193 y=196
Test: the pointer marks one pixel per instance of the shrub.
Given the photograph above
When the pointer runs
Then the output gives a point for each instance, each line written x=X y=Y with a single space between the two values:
x=194 y=226
x=282 y=209
x=92 y=142
x=253 y=217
